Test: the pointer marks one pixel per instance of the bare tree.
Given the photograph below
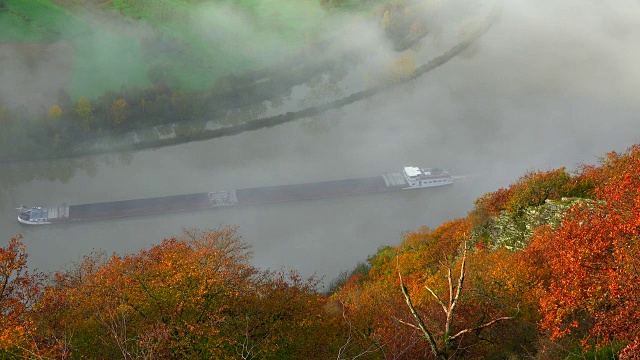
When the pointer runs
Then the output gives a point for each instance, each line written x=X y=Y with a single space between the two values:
x=445 y=349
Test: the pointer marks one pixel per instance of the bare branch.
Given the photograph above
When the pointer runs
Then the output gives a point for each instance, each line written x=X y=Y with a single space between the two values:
x=460 y=281
x=450 y=287
x=462 y=332
x=373 y=347
x=425 y=331
x=406 y=323
x=455 y=291
x=444 y=307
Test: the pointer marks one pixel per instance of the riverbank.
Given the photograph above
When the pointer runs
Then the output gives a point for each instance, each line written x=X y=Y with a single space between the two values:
x=178 y=133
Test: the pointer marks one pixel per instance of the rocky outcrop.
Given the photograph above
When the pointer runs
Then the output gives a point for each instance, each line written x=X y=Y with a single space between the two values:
x=514 y=231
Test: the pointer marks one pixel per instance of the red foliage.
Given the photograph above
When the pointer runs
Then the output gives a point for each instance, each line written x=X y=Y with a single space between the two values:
x=594 y=258
x=494 y=202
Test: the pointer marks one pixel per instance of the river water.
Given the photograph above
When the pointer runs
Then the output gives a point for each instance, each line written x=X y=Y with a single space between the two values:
x=518 y=100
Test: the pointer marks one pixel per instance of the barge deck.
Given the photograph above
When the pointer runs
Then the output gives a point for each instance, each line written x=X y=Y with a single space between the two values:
x=410 y=178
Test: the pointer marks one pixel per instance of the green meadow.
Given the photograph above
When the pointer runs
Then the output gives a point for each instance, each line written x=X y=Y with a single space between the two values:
x=188 y=44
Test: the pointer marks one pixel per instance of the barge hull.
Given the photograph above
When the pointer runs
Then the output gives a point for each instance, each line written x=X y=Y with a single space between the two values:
x=139 y=207
x=199 y=201
x=273 y=194
x=251 y=196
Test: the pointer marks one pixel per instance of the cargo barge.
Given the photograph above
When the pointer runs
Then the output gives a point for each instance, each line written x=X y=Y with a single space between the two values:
x=410 y=178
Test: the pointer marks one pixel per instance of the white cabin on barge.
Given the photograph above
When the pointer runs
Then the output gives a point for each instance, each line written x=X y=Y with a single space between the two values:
x=426 y=177
x=42 y=215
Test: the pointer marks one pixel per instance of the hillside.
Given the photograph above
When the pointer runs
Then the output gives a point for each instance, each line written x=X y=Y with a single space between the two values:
x=545 y=268
x=118 y=42
x=87 y=72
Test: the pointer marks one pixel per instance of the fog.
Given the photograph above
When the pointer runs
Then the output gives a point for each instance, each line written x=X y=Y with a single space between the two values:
x=551 y=84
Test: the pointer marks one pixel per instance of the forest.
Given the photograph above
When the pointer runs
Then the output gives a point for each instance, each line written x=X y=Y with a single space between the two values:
x=545 y=268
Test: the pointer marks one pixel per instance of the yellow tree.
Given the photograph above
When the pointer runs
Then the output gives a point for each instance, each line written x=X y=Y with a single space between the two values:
x=54 y=113
x=118 y=112
x=85 y=113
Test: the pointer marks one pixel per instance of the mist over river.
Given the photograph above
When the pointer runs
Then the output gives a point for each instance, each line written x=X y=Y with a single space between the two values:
x=547 y=86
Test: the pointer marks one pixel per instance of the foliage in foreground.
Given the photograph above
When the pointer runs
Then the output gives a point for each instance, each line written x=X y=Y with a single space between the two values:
x=572 y=286
x=572 y=290
x=191 y=297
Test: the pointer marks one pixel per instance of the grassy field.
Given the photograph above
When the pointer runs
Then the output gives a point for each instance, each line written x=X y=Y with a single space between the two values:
x=118 y=42
x=37 y=21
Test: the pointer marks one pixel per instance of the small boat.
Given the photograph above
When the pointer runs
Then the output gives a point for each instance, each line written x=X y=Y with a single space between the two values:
x=410 y=178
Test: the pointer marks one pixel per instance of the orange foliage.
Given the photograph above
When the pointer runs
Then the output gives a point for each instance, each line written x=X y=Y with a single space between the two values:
x=424 y=249
x=594 y=257
x=371 y=309
x=493 y=203
x=19 y=289
x=195 y=296
x=494 y=288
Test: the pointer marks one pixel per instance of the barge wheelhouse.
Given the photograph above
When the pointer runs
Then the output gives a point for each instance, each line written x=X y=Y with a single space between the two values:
x=33 y=216
x=426 y=177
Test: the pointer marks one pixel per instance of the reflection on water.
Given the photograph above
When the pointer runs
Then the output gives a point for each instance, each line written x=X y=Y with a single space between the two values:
x=61 y=170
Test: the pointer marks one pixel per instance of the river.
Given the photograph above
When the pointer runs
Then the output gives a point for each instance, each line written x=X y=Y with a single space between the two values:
x=531 y=94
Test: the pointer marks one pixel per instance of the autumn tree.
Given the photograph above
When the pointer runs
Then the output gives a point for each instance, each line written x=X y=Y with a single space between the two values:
x=118 y=112
x=503 y=282
x=54 y=113
x=52 y=128
x=19 y=290
x=431 y=259
x=84 y=110
x=593 y=258
x=447 y=345
x=195 y=296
